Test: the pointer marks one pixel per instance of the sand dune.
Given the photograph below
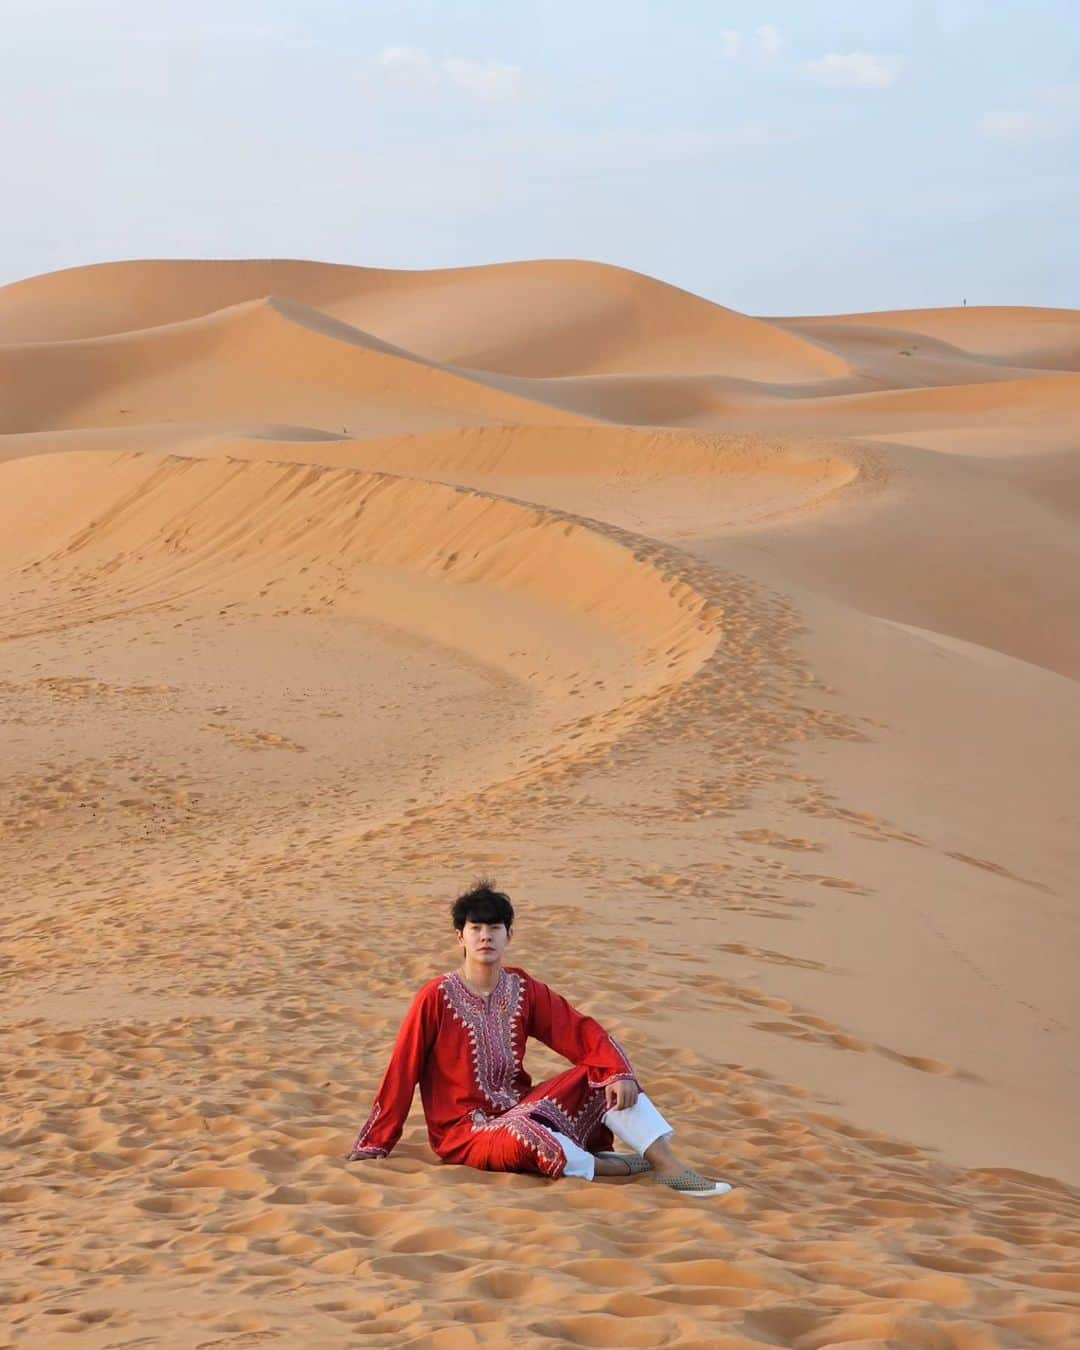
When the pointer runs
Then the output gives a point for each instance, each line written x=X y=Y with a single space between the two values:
x=194 y=438
x=185 y=516
x=589 y=631
x=1057 y=393
x=742 y=651
x=110 y=298
x=1044 y=339
x=547 y=319
x=268 y=357
x=535 y=319
x=856 y=406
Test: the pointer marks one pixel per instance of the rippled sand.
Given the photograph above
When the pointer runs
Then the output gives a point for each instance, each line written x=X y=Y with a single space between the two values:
x=743 y=652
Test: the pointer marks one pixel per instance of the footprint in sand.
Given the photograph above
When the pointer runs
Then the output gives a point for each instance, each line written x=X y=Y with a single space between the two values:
x=253 y=740
x=770 y=837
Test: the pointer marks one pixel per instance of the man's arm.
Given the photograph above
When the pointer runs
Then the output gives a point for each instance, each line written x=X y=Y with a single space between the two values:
x=582 y=1040
x=383 y=1127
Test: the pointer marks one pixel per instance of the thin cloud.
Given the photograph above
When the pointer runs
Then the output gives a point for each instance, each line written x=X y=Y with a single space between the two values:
x=768 y=39
x=414 y=68
x=410 y=61
x=1053 y=112
x=484 y=79
x=861 y=70
x=763 y=43
x=1011 y=128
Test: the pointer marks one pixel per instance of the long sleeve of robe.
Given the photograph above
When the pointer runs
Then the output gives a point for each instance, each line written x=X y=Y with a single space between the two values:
x=467 y=1052
x=578 y=1038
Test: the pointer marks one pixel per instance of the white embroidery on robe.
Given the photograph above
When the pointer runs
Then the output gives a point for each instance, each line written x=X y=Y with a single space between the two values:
x=578 y=1126
x=535 y=1136
x=621 y=1076
x=531 y=1122
x=492 y=1025
x=368 y=1126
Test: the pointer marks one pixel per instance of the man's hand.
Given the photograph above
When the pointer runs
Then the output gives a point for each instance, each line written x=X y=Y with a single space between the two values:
x=618 y=1096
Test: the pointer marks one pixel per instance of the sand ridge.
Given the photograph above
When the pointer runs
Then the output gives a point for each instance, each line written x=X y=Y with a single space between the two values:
x=741 y=651
x=1047 y=339
x=534 y=319
x=260 y=356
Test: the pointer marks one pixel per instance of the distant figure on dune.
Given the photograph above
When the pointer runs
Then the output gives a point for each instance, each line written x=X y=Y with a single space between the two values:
x=463 y=1040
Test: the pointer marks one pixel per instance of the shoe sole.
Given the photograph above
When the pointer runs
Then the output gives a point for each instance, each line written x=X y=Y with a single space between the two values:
x=721 y=1188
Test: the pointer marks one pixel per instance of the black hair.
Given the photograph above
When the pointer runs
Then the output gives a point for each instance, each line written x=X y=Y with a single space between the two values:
x=483 y=904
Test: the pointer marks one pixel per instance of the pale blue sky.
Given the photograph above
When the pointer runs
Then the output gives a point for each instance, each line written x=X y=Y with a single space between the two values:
x=780 y=158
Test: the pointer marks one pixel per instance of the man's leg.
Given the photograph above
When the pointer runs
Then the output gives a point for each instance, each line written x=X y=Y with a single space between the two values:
x=571 y=1109
x=645 y=1130
x=588 y=1166
x=578 y=1162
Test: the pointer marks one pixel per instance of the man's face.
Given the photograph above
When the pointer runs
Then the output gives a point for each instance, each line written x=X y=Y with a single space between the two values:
x=483 y=943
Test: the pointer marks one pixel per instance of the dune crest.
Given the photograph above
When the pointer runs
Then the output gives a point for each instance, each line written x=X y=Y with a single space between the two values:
x=1043 y=339
x=531 y=318
x=216 y=511
x=268 y=356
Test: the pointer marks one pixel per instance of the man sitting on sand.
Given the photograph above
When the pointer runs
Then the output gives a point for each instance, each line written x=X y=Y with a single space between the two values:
x=463 y=1040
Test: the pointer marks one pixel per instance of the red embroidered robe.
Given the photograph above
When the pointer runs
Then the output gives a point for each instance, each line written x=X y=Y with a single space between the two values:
x=481 y=1107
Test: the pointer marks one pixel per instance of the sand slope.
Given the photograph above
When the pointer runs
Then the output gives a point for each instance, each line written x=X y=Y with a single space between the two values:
x=742 y=651
x=1046 y=339
x=533 y=319
x=262 y=357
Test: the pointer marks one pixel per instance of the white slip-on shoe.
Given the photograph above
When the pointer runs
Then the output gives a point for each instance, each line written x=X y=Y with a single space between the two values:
x=693 y=1183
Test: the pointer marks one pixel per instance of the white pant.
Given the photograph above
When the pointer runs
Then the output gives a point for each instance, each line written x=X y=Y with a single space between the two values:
x=638 y=1126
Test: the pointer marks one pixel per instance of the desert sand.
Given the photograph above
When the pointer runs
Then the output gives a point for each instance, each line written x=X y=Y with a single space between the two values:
x=742 y=651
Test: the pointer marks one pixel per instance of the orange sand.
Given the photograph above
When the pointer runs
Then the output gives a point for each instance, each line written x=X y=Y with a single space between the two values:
x=742 y=651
